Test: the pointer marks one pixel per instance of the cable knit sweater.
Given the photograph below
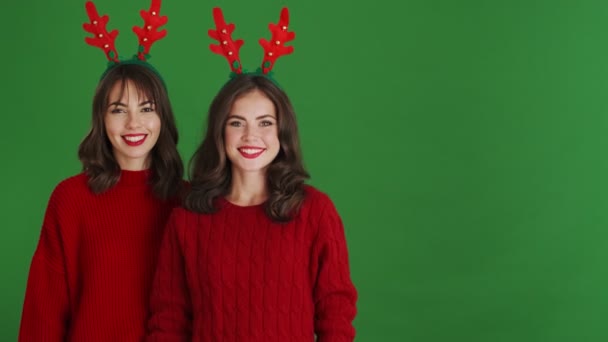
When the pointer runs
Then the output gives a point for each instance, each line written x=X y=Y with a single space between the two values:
x=238 y=276
x=91 y=273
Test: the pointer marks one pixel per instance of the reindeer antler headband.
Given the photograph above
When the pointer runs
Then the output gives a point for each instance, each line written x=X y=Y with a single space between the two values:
x=147 y=34
x=272 y=49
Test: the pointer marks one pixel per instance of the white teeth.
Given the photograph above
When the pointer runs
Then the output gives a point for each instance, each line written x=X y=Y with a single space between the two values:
x=250 y=150
x=135 y=138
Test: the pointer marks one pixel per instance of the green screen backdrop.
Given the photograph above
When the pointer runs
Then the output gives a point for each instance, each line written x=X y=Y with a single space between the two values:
x=463 y=142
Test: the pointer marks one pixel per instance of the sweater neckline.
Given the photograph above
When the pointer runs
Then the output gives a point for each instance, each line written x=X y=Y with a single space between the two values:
x=227 y=204
x=130 y=178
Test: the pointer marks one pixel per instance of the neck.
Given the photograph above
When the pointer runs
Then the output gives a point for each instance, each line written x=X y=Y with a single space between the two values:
x=134 y=164
x=248 y=188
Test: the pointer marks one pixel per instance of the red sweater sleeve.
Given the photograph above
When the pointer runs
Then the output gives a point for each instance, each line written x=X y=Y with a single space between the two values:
x=334 y=293
x=170 y=305
x=45 y=315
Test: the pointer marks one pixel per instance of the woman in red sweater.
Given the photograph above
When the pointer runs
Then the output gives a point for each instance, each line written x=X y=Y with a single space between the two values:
x=255 y=254
x=91 y=272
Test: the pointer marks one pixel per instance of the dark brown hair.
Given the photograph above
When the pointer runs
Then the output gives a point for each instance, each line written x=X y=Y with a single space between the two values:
x=210 y=169
x=95 y=151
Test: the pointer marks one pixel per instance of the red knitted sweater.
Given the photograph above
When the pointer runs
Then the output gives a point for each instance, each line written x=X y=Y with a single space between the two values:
x=238 y=276
x=91 y=273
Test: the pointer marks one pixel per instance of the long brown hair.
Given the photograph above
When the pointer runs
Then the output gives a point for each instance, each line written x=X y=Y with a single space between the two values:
x=210 y=169
x=95 y=151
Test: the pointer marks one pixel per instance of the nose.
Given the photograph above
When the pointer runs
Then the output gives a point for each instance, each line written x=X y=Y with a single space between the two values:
x=250 y=133
x=132 y=120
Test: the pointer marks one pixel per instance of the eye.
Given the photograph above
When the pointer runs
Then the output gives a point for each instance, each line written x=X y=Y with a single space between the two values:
x=235 y=123
x=117 y=110
x=147 y=110
x=266 y=123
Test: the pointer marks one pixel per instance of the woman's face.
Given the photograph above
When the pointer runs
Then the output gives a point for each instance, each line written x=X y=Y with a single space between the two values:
x=251 y=133
x=132 y=125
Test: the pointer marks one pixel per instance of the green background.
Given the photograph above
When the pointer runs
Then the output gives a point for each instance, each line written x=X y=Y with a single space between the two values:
x=463 y=143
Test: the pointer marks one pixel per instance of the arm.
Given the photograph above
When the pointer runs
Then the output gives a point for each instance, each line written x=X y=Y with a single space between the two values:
x=170 y=305
x=334 y=293
x=45 y=315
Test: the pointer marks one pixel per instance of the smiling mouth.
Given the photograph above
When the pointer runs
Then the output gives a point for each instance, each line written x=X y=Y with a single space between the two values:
x=134 y=139
x=251 y=152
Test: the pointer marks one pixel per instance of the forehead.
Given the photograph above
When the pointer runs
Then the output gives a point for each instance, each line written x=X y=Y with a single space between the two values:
x=253 y=104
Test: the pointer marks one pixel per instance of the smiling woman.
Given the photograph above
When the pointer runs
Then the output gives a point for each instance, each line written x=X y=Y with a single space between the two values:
x=256 y=254
x=90 y=275
x=103 y=226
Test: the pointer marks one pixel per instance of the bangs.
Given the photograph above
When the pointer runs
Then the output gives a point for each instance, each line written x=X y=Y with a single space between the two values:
x=145 y=86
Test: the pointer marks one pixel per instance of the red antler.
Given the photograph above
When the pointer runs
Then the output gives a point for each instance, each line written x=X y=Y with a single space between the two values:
x=147 y=34
x=276 y=48
x=101 y=38
x=223 y=34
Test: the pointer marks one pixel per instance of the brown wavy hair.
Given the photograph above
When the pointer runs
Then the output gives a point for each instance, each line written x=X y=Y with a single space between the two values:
x=96 y=153
x=210 y=169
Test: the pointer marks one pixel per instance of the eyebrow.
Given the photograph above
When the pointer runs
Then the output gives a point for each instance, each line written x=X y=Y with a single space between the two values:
x=258 y=118
x=118 y=103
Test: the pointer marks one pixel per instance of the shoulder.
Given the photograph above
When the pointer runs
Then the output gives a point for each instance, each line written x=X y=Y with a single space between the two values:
x=315 y=197
x=74 y=186
x=319 y=212
x=75 y=181
x=67 y=200
x=316 y=205
x=184 y=224
x=181 y=217
x=180 y=211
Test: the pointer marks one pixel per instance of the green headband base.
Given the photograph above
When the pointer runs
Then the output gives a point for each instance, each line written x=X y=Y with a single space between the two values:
x=133 y=60
x=257 y=72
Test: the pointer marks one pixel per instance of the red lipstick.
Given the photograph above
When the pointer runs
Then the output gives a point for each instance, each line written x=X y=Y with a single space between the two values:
x=251 y=152
x=134 y=139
